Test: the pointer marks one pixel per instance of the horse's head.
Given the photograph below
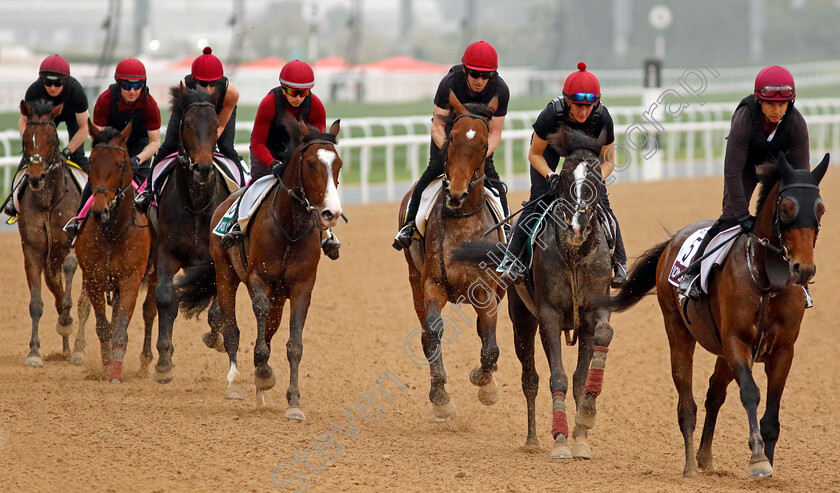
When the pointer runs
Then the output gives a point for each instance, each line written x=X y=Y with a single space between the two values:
x=794 y=209
x=198 y=130
x=40 y=141
x=110 y=169
x=581 y=179
x=313 y=170
x=466 y=148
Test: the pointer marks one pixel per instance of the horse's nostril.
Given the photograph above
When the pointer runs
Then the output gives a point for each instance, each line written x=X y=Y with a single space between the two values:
x=328 y=215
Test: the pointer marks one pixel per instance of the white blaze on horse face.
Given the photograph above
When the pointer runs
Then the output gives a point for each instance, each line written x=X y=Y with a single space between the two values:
x=331 y=200
x=470 y=134
x=580 y=177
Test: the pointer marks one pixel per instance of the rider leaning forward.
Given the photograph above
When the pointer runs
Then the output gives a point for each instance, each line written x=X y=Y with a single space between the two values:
x=127 y=100
x=474 y=81
x=580 y=109
x=270 y=142
x=206 y=75
x=764 y=124
x=55 y=85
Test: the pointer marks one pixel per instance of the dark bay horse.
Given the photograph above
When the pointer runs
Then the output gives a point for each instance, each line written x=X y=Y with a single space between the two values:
x=570 y=272
x=181 y=222
x=113 y=250
x=460 y=214
x=277 y=262
x=49 y=201
x=750 y=318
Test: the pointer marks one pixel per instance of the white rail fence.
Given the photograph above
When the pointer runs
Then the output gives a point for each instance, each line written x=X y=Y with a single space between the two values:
x=385 y=155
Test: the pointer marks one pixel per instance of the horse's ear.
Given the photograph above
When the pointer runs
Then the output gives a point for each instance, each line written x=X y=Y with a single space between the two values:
x=559 y=140
x=602 y=138
x=93 y=129
x=125 y=133
x=303 y=127
x=493 y=105
x=821 y=168
x=335 y=127
x=56 y=111
x=785 y=169
x=25 y=109
x=456 y=105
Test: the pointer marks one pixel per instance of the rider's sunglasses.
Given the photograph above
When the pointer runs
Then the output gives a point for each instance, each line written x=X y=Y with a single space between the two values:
x=53 y=82
x=479 y=74
x=205 y=83
x=773 y=91
x=582 y=97
x=295 y=93
x=135 y=85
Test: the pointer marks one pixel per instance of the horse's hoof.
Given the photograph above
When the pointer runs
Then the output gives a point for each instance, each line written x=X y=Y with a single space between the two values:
x=761 y=469
x=561 y=452
x=532 y=443
x=295 y=413
x=233 y=392
x=116 y=372
x=580 y=450
x=442 y=413
x=690 y=473
x=34 y=360
x=479 y=377
x=78 y=358
x=64 y=330
x=214 y=341
x=265 y=383
x=165 y=376
x=489 y=394
x=116 y=380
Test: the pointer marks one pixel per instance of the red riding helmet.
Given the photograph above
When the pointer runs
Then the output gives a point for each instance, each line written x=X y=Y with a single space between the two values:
x=130 y=69
x=481 y=56
x=774 y=83
x=54 y=65
x=297 y=74
x=582 y=87
x=207 y=67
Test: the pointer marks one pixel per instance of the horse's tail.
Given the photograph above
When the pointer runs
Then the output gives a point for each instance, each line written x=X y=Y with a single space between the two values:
x=197 y=288
x=478 y=251
x=641 y=280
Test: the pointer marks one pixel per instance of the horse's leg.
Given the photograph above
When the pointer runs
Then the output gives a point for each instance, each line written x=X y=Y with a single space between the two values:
x=33 y=265
x=83 y=312
x=128 y=289
x=715 y=398
x=149 y=313
x=214 y=339
x=549 y=318
x=777 y=367
x=524 y=331
x=483 y=377
x=64 y=326
x=682 y=345
x=167 y=309
x=96 y=295
x=53 y=279
x=264 y=378
x=592 y=360
x=299 y=298
x=442 y=407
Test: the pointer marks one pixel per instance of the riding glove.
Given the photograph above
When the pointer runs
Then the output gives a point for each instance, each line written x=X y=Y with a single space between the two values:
x=554 y=181
x=65 y=155
x=747 y=223
x=135 y=163
x=277 y=168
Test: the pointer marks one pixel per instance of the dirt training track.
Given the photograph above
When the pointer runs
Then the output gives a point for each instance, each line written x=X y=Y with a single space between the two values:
x=65 y=428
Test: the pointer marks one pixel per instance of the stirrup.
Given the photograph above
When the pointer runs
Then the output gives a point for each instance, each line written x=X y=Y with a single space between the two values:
x=330 y=246
x=72 y=230
x=231 y=238
x=689 y=286
x=404 y=236
x=143 y=201
x=620 y=276
x=511 y=270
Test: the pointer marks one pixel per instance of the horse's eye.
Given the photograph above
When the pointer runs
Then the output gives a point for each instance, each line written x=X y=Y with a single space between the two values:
x=788 y=210
x=819 y=209
x=311 y=165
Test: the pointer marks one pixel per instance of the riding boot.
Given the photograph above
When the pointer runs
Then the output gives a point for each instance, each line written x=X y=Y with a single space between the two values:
x=330 y=244
x=689 y=284
x=10 y=208
x=234 y=234
x=144 y=199
x=619 y=260
x=72 y=230
x=512 y=269
x=404 y=236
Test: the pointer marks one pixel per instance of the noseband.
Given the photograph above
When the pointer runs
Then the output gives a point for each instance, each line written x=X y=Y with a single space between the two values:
x=37 y=158
x=183 y=157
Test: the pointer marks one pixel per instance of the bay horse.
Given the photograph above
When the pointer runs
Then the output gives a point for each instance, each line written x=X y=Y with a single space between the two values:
x=113 y=250
x=49 y=201
x=277 y=262
x=570 y=272
x=181 y=222
x=459 y=214
x=749 y=317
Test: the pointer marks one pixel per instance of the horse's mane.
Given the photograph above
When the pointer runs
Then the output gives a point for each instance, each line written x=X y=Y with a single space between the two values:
x=766 y=184
x=105 y=135
x=41 y=107
x=179 y=101
x=567 y=140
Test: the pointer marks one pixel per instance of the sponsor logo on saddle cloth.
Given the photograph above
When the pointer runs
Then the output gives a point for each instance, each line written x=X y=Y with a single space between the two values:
x=234 y=176
x=688 y=251
x=251 y=200
x=430 y=196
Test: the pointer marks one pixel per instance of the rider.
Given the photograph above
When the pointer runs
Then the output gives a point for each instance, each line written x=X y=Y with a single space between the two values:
x=764 y=124
x=579 y=109
x=55 y=85
x=207 y=75
x=475 y=80
x=128 y=100
x=270 y=151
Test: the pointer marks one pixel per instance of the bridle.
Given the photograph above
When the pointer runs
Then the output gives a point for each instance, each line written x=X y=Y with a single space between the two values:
x=37 y=158
x=119 y=193
x=474 y=179
x=183 y=156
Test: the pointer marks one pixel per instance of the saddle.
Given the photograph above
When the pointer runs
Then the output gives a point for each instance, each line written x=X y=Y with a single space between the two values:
x=252 y=198
x=78 y=175
x=234 y=175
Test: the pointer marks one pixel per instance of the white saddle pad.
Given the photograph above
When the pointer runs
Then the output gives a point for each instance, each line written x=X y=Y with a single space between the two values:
x=688 y=251
x=251 y=200
x=430 y=195
x=234 y=176
x=80 y=178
